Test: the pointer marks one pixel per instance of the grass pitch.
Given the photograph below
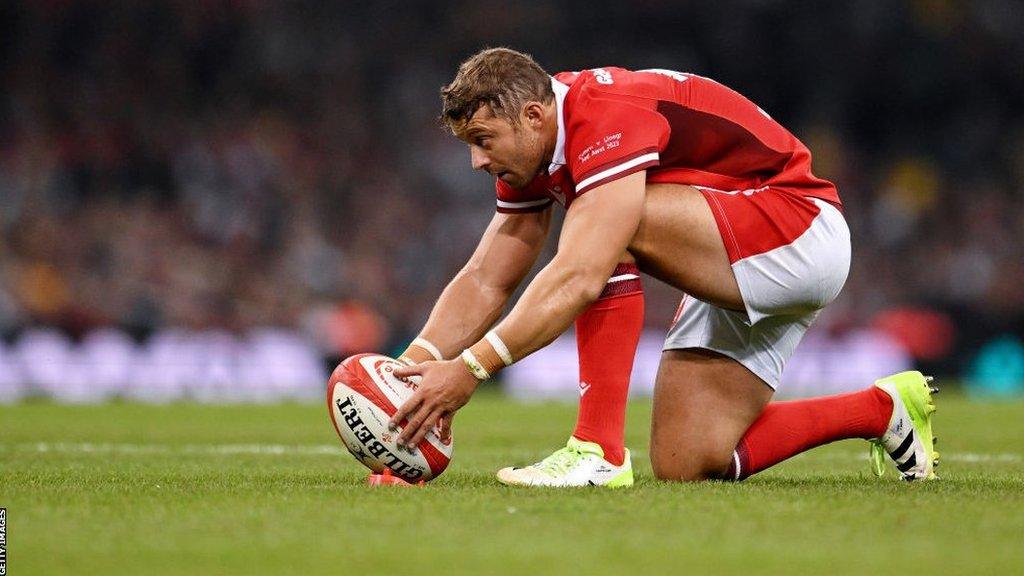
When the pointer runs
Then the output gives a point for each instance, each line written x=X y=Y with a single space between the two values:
x=191 y=489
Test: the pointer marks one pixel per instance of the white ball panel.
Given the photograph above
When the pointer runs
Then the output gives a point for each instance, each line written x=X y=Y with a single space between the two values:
x=363 y=427
x=381 y=369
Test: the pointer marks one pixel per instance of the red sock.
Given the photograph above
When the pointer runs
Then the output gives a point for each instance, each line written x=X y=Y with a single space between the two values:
x=785 y=429
x=607 y=335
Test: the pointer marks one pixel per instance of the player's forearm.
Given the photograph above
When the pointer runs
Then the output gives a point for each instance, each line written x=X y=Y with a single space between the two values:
x=596 y=232
x=473 y=301
x=559 y=293
x=467 y=308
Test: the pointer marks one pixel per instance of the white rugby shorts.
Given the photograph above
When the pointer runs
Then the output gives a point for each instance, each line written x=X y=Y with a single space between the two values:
x=790 y=255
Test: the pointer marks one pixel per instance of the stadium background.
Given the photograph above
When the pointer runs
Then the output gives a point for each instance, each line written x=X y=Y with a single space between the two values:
x=216 y=200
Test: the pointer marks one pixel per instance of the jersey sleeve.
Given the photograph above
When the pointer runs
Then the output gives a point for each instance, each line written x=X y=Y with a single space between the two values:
x=610 y=137
x=532 y=198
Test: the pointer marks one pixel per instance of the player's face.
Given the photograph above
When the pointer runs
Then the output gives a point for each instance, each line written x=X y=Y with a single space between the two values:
x=510 y=153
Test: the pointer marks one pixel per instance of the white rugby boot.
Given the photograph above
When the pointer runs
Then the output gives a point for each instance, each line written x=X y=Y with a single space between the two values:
x=578 y=464
x=908 y=440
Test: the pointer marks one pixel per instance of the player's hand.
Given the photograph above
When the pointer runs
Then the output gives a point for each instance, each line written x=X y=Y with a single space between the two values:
x=444 y=423
x=445 y=387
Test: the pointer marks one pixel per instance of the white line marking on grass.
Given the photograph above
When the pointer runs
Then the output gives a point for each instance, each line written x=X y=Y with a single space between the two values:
x=202 y=449
x=969 y=457
x=333 y=450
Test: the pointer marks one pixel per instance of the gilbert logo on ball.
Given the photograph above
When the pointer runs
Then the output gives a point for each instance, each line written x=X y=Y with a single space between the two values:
x=3 y=541
x=362 y=395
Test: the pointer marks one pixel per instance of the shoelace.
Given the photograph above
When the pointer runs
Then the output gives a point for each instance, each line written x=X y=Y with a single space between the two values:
x=560 y=462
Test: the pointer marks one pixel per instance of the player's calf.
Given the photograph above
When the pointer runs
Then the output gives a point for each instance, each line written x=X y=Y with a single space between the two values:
x=703 y=403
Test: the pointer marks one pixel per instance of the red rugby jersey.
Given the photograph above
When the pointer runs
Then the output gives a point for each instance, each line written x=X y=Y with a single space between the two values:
x=681 y=128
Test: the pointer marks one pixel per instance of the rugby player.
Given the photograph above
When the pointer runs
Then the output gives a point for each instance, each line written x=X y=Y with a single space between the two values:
x=688 y=181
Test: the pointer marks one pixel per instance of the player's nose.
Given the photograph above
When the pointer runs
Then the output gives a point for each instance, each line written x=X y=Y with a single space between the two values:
x=479 y=159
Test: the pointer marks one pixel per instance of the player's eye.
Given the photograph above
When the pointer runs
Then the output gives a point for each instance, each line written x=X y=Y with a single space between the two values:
x=482 y=140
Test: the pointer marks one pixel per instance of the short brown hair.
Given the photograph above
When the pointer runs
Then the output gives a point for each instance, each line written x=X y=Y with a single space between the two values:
x=500 y=77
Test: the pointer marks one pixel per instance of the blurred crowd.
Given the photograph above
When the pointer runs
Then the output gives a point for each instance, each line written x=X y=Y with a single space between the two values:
x=239 y=164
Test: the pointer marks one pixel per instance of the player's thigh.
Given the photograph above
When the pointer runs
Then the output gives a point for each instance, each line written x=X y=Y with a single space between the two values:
x=678 y=242
x=703 y=404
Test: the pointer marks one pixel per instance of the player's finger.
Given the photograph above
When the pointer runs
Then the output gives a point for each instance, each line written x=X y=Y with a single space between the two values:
x=424 y=427
x=446 y=427
x=406 y=371
x=404 y=410
x=417 y=420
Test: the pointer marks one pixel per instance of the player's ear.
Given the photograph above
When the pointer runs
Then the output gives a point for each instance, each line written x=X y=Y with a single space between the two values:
x=533 y=114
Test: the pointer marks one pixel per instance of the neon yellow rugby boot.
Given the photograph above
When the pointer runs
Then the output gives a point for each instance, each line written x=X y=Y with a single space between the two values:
x=908 y=440
x=578 y=464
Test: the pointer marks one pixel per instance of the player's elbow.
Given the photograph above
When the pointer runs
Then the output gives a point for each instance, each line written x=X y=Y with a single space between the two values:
x=488 y=284
x=592 y=287
x=584 y=284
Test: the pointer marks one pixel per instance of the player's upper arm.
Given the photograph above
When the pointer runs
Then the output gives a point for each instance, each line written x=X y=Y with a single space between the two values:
x=599 y=227
x=509 y=247
x=612 y=136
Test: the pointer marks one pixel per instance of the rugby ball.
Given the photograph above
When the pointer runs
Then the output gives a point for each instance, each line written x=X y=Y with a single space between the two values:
x=362 y=395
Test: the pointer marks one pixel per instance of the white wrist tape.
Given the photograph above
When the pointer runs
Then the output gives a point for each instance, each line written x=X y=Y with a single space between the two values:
x=478 y=371
x=426 y=345
x=499 y=347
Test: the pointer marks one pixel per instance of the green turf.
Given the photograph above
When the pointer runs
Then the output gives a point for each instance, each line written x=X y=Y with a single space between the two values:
x=187 y=489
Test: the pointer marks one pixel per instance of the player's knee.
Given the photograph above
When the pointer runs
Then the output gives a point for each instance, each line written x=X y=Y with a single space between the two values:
x=690 y=465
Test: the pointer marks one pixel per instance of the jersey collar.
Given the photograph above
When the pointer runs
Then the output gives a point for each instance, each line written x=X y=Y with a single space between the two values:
x=558 y=158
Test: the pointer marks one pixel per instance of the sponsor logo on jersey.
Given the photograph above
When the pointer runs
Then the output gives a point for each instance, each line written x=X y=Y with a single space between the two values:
x=602 y=76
